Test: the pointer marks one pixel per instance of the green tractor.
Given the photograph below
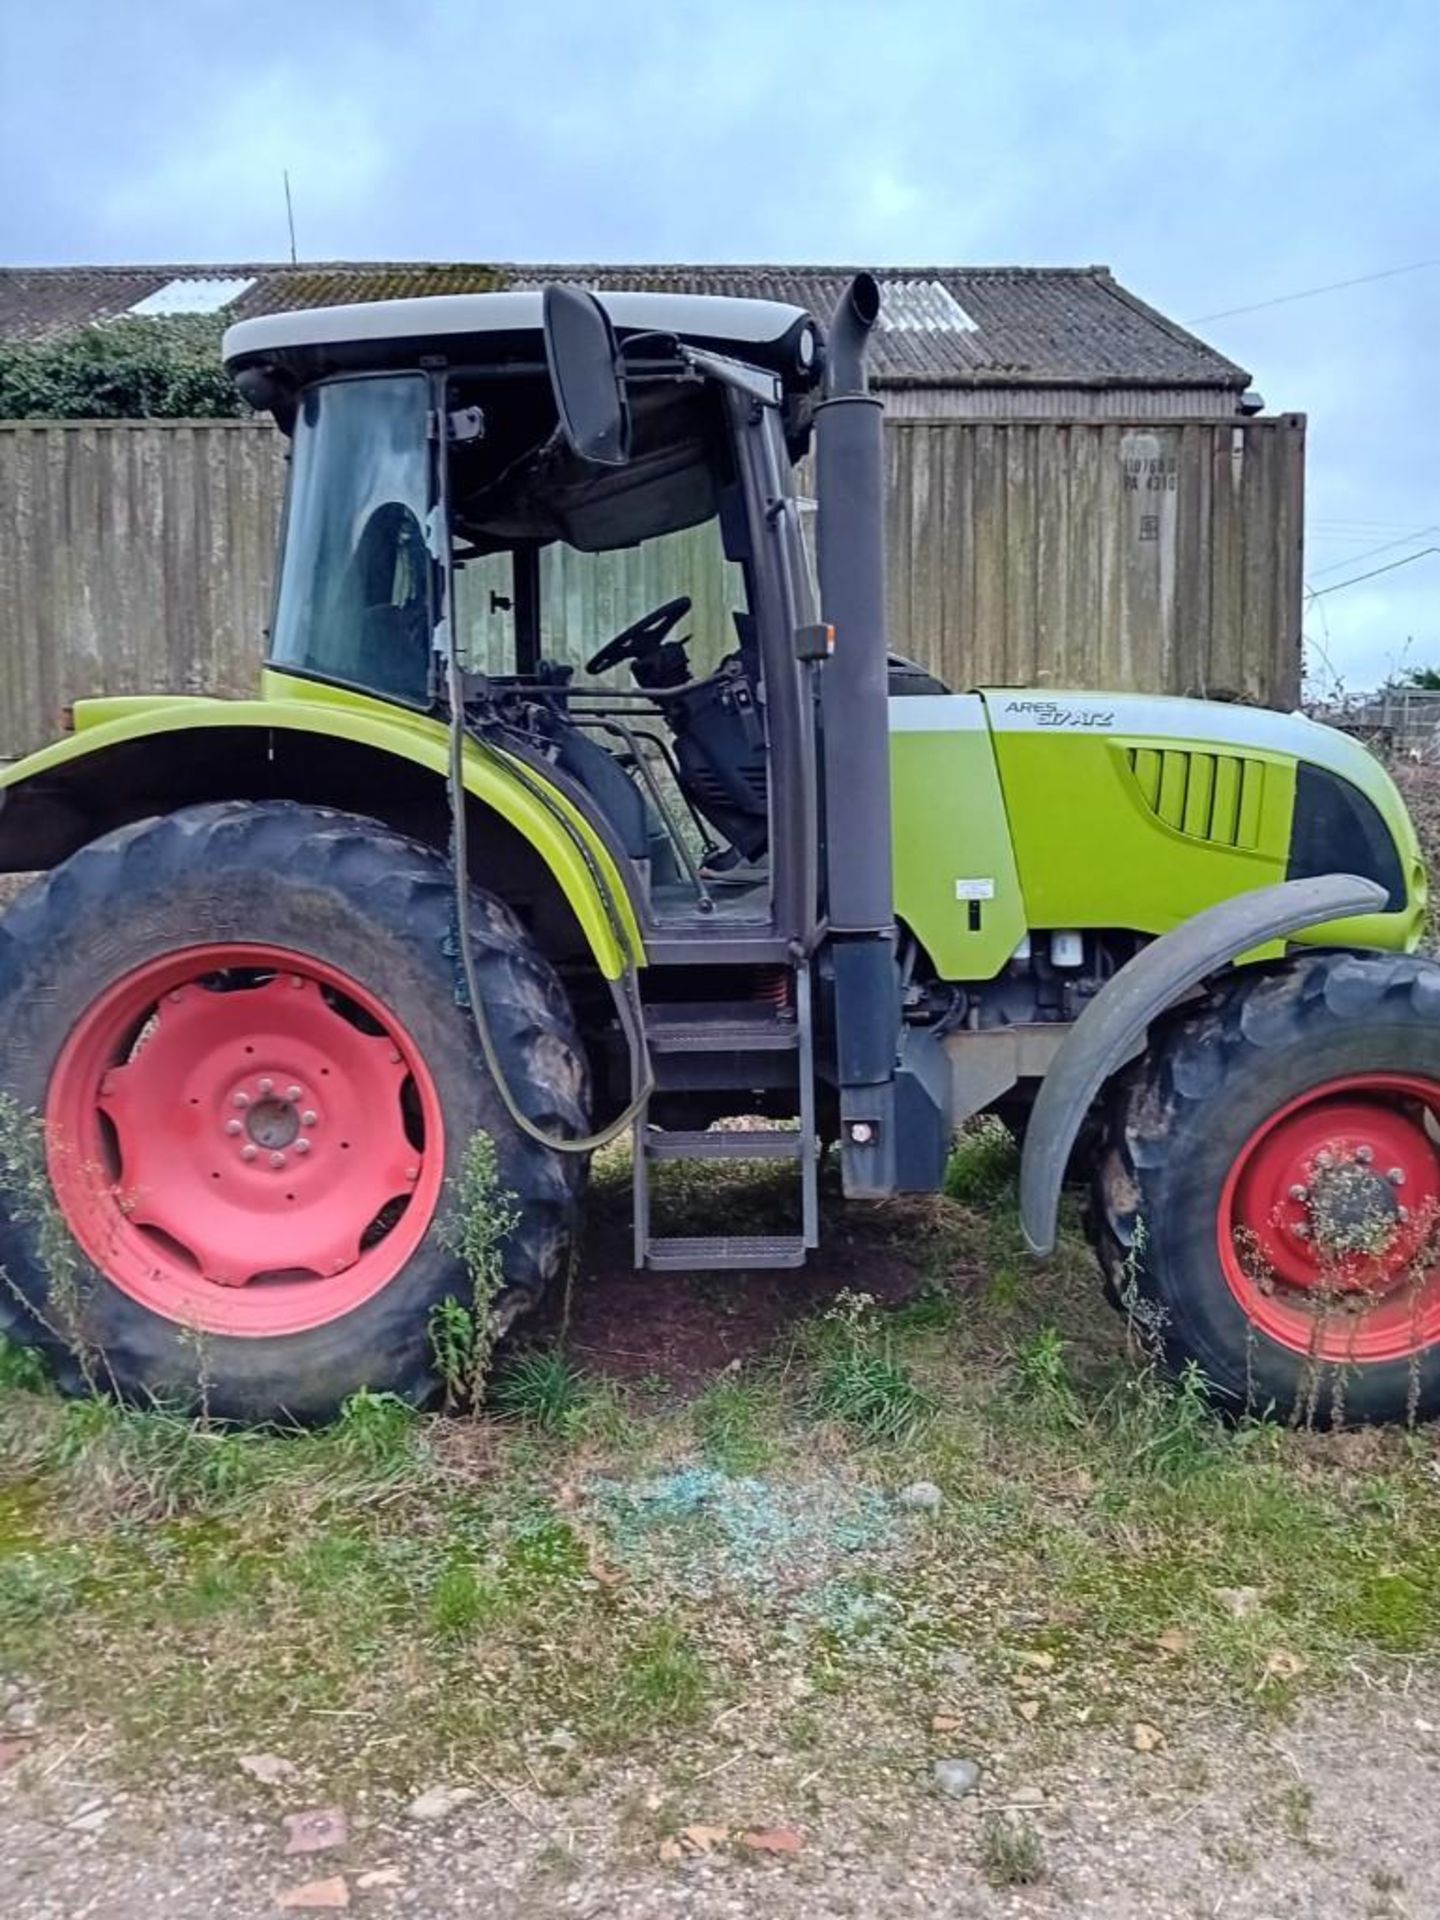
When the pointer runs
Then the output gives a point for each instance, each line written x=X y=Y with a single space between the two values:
x=289 y=955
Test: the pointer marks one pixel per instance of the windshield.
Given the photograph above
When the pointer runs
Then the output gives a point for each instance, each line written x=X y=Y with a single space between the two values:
x=355 y=596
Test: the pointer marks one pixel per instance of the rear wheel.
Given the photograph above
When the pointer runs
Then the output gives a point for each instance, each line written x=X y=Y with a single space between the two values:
x=1267 y=1203
x=241 y=1029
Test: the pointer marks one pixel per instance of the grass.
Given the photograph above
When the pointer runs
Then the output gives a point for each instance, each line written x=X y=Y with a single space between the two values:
x=592 y=1571
x=1010 y=1852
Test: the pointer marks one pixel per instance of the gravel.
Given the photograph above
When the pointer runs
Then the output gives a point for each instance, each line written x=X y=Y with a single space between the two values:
x=1327 y=1818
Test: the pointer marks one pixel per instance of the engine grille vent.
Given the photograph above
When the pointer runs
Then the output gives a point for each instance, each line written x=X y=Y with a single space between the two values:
x=1206 y=796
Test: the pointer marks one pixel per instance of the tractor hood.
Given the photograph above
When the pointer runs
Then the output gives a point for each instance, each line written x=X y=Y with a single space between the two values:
x=1224 y=726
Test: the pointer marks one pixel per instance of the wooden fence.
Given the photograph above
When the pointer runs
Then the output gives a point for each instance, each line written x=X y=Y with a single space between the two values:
x=1155 y=557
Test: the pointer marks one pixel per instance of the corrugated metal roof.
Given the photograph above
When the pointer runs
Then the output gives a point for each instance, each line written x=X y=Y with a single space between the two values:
x=1058 y=326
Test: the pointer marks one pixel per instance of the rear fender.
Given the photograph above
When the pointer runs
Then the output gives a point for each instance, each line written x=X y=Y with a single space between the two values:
x=131 y=758
x=1113 y=1027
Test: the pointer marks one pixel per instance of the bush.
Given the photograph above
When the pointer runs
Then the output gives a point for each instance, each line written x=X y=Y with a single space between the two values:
x=128 y=369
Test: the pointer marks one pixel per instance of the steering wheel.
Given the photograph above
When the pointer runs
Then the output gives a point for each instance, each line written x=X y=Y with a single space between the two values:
x=643 y=636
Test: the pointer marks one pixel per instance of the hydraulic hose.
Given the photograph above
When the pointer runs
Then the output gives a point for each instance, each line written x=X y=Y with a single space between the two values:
x=624 y=992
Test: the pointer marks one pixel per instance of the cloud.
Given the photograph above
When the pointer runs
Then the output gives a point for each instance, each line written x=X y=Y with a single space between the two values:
x=1211 y=155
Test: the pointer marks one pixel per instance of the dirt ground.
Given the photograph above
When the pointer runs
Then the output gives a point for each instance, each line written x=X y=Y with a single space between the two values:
x=1328 y=1818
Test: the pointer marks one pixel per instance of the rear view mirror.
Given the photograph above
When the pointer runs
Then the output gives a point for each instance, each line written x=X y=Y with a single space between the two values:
x=585 y=376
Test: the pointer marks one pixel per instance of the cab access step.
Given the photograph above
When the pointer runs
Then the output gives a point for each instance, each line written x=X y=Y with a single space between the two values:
x=732 y=1048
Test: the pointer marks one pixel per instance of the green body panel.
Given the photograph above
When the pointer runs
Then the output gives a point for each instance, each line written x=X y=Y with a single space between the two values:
x=303 y=707
x=956 y=884
x=1097 y=811
x=1092 y=853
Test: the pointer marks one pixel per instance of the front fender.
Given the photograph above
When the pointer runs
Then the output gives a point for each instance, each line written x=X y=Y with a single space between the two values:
x=73 y=771
x=1112 y=1027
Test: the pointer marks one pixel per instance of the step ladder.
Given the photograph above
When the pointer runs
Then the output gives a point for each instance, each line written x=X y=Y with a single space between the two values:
x=733 y=1038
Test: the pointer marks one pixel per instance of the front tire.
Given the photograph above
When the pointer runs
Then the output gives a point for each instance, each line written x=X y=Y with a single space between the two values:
x=240 y=1024
x=1267 y=1201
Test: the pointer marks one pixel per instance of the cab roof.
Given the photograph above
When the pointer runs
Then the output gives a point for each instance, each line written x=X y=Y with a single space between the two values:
x=478 y=329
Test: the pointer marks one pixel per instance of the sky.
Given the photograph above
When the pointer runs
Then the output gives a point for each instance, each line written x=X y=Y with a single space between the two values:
x=1215 y=155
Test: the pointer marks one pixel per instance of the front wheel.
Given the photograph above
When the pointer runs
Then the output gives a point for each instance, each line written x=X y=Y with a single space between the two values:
x=240 y=1029
x=1267 y=1200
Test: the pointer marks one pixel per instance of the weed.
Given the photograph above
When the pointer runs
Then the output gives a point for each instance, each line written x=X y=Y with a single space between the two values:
x=539 y=1386
x=22 y=1369
x=1010 y=1852
x=861 y=1383
x=1163 y=1426
x=875 y=1395
x=463 y=1333
x=984 y=1166
x=25 y=1184
x=454 y=1340
x=1042 y=1375
x=377 y=1430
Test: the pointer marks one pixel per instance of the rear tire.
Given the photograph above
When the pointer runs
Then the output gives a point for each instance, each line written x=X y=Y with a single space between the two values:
x=1267 y=1196
x=163 y=995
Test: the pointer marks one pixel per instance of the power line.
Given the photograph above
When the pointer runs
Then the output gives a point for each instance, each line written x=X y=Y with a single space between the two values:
x=1386 y=546
x=1309 y=293
x=1318 y=593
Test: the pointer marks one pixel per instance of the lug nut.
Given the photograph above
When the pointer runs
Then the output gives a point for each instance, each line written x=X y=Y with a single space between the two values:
x=242 y=1100
x=277 y=1160
x=1297 y=1192
x=1322 y=1159
x=292 y=1094
x=1364 y=1155
x=267 y=1086
x=1396 y=1176
x=302 y=1146
x=309 y=1117
x=234 y=1126
x=248 y=1152
x=1301 y=1230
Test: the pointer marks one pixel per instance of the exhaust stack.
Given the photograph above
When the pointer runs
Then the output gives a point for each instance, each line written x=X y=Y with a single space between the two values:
x=859 y=884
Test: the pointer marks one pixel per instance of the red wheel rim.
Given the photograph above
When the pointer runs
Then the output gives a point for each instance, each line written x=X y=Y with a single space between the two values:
x=244 y=1140
x=1328 y=1220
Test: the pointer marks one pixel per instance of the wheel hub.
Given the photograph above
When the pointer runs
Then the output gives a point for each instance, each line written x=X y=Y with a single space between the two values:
x=243 y=1144
x=1329 y=1216
x=1352 y=1210
x=273 y=1122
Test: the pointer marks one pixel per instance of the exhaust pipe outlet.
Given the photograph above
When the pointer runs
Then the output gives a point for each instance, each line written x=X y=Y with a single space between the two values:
x=850 y=474
x=856 y=312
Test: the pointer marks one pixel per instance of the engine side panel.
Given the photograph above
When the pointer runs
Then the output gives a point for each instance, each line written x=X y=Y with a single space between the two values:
x=1136 y=812
x=1017 y=812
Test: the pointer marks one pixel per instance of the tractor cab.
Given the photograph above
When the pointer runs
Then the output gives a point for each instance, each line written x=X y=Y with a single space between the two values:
x=625 y=626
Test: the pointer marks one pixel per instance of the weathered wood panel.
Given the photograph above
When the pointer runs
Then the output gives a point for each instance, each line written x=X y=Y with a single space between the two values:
x=1162 y=556
x=1157 y=555
x=132 y=557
